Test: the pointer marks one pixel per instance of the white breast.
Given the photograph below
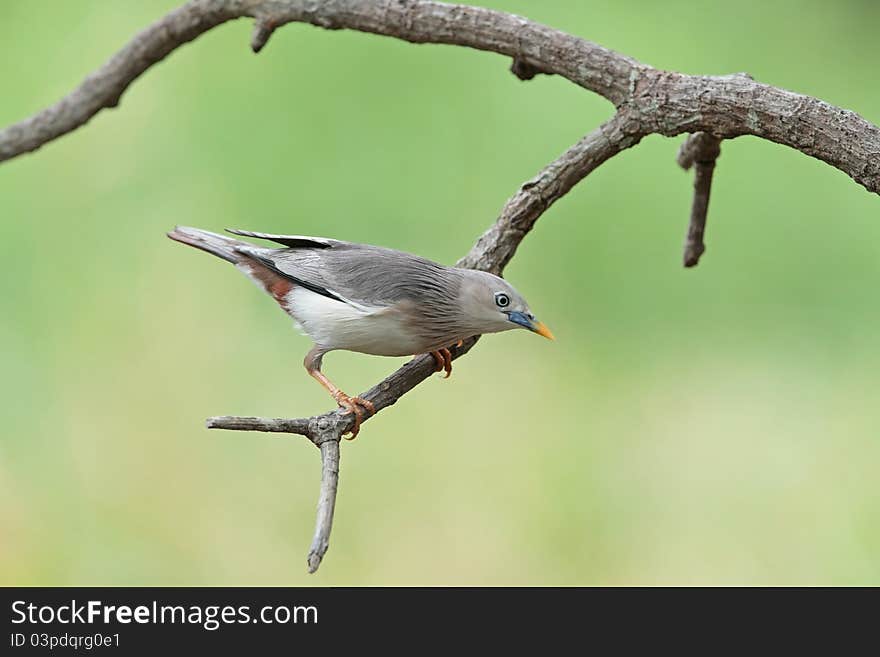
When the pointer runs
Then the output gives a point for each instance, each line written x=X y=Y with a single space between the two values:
x=337 y=325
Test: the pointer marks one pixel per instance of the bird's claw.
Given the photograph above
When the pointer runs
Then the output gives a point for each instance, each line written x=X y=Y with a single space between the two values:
x=353 y=405
x=443 y=361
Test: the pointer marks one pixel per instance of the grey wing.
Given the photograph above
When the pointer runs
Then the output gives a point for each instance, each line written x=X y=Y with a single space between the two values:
x=370 y=277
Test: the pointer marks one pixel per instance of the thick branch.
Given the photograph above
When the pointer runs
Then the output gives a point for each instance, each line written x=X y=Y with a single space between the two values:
x=735 y=105
x=666 y=103
x=104 y=87
x=537 y=46
x=701 y=151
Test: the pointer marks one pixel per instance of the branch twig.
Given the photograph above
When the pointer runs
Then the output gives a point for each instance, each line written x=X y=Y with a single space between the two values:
x=700 y=150
x=326 y=502
x=269 y=425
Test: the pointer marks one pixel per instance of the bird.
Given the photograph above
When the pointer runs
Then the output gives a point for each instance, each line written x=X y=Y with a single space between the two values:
x=370 y=299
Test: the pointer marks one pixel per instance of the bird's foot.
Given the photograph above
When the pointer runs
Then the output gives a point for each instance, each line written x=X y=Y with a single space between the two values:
x=443 y=361
x=354 y=405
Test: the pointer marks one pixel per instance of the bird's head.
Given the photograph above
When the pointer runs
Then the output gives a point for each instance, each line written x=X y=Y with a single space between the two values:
x=492 y=305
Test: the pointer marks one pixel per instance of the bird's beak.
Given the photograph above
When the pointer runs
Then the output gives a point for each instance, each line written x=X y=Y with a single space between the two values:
x=532 y=324
x=541 y=329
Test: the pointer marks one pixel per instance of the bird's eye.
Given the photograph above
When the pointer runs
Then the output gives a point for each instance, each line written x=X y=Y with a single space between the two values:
x=502 y=300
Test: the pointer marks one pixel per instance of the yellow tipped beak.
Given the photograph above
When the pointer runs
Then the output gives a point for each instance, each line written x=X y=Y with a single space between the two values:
x=541 y=329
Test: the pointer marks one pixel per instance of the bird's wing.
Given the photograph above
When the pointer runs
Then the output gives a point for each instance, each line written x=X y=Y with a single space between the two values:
x=297 y=269
x=370 y=278
x=291 y=241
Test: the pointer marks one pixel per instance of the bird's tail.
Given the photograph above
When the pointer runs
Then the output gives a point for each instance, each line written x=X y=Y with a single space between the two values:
x=219 y=245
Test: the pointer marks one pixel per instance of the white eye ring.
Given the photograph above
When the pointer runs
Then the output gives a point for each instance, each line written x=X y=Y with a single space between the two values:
x=502 y=300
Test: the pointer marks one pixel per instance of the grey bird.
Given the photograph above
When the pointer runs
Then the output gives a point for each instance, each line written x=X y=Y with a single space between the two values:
x=370 y=299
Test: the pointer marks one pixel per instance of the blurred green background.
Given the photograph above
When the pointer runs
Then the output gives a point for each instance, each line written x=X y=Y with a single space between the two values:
x=708 y=426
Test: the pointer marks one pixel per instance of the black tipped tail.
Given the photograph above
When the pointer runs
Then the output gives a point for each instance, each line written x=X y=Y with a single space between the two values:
x=218 y=245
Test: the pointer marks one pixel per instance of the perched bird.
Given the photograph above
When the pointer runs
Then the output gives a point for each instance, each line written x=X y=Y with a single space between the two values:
x=370 y=299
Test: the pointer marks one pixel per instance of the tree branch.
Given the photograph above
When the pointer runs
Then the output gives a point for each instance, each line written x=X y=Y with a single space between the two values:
x=495 y=248
x=336 y=422
x=583 y=62
x=668 y=103
x=648 y=101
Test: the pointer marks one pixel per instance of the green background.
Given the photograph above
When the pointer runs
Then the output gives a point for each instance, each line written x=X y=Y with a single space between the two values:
x=707 y=426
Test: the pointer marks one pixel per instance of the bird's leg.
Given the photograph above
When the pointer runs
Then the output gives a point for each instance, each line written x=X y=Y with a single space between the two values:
x=443 y=360
x=350 y=404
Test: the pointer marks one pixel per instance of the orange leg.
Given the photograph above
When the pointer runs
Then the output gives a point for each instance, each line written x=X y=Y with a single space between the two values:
x=443 y=359
x=350 y=404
